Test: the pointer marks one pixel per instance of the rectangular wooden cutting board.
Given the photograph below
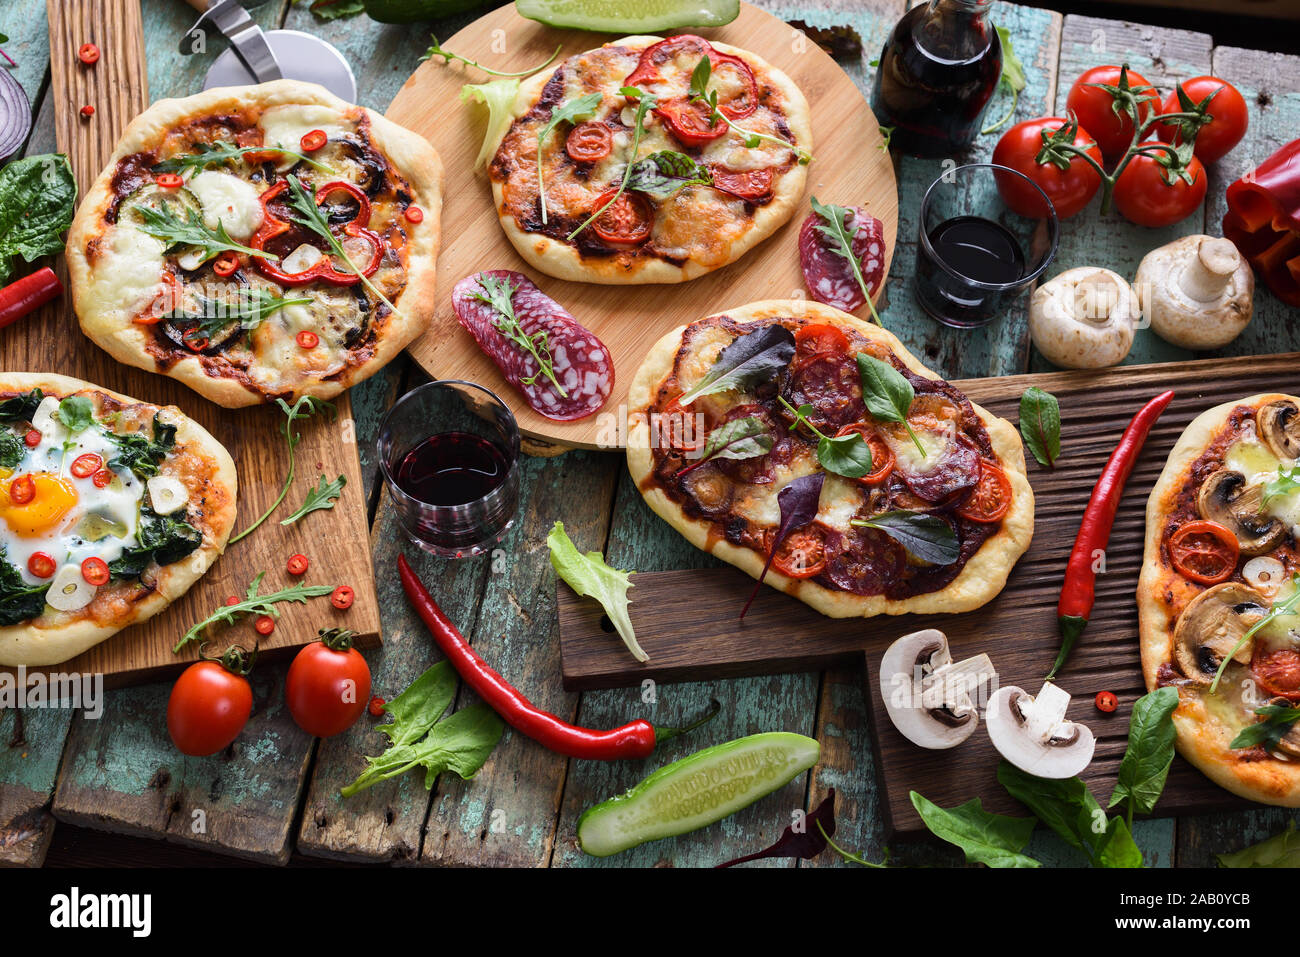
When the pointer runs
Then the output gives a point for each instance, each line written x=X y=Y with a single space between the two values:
x=687 y=620
x=51 y=341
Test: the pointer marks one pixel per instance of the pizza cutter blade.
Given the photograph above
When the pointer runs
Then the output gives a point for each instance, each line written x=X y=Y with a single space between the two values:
x=256 y=56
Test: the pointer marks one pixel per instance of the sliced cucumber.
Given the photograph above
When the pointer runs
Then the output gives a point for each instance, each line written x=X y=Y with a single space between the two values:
x=616 y=16
x=696 y=791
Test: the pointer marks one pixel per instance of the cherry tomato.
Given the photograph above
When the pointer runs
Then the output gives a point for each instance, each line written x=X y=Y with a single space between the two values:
x=170 y=180
x=1205 y=552
x=84 y=466
x=819 y=338
x=414 y=214
x=22 y=490
x=1070 y=190
x=88 y=53
x=882 y=456
x=102 y=478
x=690 y=121
x=1106 y=701
x=1094 y=108
x=313 y=140
x=308 y=339
x=1230 y=117
x=678 y=429
x=264 y=624
x=627 y=221
x=32 y=438
x=342 y=597
x=328 y=685
x=991 y=496
x=42 y=564
x=208 y=708
x=226 y=264
x=589 y=142
x=377 y=706
x=1277 y=670
x=1143 y=197
x=748 y=184
x=298 y=564
x=95 y=571
x=802 y=553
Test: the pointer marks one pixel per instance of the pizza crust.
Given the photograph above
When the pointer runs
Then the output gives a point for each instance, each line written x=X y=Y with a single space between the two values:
x=410 y=154
x=563 y=261
x=982 y=578
x=47 y=640
x=1202 y=739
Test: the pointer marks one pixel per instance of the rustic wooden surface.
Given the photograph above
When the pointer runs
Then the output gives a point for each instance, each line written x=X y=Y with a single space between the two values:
x=851 y=167
x=523 y=806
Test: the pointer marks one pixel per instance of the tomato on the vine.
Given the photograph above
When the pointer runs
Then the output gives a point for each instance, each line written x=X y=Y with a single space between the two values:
x=1142 y=196
x=210 y=704
x=1228 y=117
x=328 y=686
x=1070 y=190
x=1094 y=108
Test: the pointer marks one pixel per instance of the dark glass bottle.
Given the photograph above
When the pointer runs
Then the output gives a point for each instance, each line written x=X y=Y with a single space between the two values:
x=936 y=74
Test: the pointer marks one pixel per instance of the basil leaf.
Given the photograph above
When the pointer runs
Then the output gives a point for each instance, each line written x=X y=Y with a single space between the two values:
x=798 y=502
x=752 y=358
x=76 y=413
x=591 y=577
x=418 y=708
x=887 y=393
x=1150 y=750
x=21 y=408
x=37 y=199
x=583 y=108
x=1280 y=850
x=992 y=839
x=1040 y=424
x=927 y=537
x=1069 y=809
x=1278 y=720
x=665 y=172
x=846 y=455
x=1119 y=849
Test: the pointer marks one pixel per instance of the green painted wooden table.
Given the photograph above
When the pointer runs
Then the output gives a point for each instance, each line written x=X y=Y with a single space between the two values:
x=276 y=791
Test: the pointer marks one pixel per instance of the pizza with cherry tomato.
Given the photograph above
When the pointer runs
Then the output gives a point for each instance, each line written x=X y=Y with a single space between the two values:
x=650 y=160
x=110 y=509
x=259 y=243
x=919 y=499
x=1219 y=594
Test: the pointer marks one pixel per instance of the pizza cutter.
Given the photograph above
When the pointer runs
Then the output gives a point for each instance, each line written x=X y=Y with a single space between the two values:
x=256 y=56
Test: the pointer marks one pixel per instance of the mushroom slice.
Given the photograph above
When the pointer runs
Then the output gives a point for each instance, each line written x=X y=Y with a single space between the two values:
x=1033 y=734
x=1227 y=499
x=1212 y=625
x=1278 y=424
x=931 y=700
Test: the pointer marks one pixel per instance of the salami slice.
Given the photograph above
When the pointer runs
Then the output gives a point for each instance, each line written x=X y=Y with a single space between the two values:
x=863 y=561
x=828 y=274
x=958 y=470
x=581 y=364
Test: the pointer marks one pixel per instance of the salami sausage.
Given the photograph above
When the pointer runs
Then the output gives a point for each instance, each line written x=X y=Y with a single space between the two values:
x=581 y=364
x=828 y=274
x=863 y=561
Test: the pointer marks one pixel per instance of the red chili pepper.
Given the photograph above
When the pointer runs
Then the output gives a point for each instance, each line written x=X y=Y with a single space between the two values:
x=226 y=264
x=232 y=600
x=377 y=706
x=308 y=339
x=342 y=597
x=1079 y=590
x=313 y=140
x=95 y=571
x=169 y=180
x=31 y=292
x=1106 y=701
x=88 y=53
x=102 y=478
x=84 y=466
x=22 y=490
x=32 y=438
x=414 y=214
x=264 y=625
x=297 y=564
x=87 y=110
x=42 y=564
x=1263 y=221
x=636 y=739
x=273 y=225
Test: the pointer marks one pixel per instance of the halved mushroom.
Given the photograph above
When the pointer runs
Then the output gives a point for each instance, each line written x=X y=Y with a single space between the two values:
x=1033 y=734
x=1212 y=625
x=1278 y=424
x=1226 y=498
x=928 y=697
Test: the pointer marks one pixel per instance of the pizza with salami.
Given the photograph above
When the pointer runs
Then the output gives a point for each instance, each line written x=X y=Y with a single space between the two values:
x=918 y=497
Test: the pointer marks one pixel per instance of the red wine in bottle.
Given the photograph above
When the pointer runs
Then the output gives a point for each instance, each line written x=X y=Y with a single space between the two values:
x=936 y=75
x=451 y=468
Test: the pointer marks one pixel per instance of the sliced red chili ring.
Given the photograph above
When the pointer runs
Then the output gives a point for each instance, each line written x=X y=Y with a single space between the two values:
x=88 y=53
x=1204 y=552
x=297 y=564
x=377 y=707
x=313 y=140
x=882 y=456
x=990 y=498
x=802 y=553
x=22 y=490
x=226 y=263
x=342 y=597
x=1106 y=701
x=745 y=184
x=95 y=571
x=414 y=214
x=308 y=339
x=169 y=180
x=32 y=438
x=232 y=599
x=168 y=299
x=102 y=478
x=589 y=142
x=84 y=466
x=42 y=564
x=627 y=221
x=87 y=110
x=264 y=624
x=196 y=340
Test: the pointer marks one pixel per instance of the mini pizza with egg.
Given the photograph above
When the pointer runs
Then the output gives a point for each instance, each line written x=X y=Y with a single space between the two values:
x=110 y=509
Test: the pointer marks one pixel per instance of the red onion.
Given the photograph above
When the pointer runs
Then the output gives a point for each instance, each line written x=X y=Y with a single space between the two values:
x=15 y=116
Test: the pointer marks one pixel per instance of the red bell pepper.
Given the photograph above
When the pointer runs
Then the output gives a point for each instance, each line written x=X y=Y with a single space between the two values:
x=273 y=225
x=1263 y=220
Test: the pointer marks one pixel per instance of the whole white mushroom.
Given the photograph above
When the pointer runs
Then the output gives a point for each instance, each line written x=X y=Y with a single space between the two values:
x=1084 y=318
x=1196 y=291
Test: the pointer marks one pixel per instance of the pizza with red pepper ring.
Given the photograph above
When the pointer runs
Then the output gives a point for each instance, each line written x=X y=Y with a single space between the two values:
x=714 y=465
x=703 y=188
x=1219 y=597
x=259 y=243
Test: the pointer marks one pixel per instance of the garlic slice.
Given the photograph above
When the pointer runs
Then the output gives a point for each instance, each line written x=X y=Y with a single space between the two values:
x=69 y=590
x=166 y=494
x=191 y=258
x=301 y=259
x=1265 y=573
x=46 y=422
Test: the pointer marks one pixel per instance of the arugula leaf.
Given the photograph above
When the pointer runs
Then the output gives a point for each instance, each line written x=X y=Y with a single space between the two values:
x=583 y=108
x=664 y=172
x=435 y=49
x=745 y=438
x=1278 y=720
x=1069 y=809
x=12 y=450
x=253 y=604
x=320 y=498
x=140 y=454
x=169 y=226
x=1280 y=850
x=646 y=101
x=700 y=92
x=499 y=97
x=499 y=294
x=887 y=393
x=752 y=358
x=161 y=538
x=1040 y=425
x=419 y=707
x=1012 y=78
x=985 y=838
x=37 y=199
x=589 y=576
x=1286 y=482
x=798 y=502
x=834 y=226
x=886 y=134
x=1150 y=752
x=221 y=152
x=1280 y=609
x=76 y=412
x=21 y=408
x=927 y=537
x=847 y=455
x=19 y=601
x=249 y=308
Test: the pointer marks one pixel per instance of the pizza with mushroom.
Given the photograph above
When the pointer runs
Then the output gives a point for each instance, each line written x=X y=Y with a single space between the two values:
x=813 y=451
x=259 y=243
x=1219 y=594
x=110 y=509
x=650 y=160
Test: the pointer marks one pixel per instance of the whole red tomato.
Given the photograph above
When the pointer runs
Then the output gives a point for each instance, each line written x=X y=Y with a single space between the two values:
x=209 y=705
x=1070 y=190
x=1227 y=109
x=1142 y=196
x=328 y=686
x=1095 y=108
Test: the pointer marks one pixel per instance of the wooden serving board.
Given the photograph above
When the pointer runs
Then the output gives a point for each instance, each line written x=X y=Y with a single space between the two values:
x=687 y=620
x=51 y=341
x=851 y=168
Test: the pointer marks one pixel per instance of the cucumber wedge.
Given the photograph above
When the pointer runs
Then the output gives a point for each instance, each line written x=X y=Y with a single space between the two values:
x=618 y=16
x=696 y=791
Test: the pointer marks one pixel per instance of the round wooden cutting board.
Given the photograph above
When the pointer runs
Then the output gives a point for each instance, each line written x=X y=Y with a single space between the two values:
x=850 y=168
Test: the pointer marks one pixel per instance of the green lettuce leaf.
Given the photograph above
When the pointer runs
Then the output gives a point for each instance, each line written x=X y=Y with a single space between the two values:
x=499 y=97
x=589 y=576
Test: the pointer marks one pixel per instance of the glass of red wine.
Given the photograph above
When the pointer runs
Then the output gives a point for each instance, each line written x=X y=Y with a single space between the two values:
x=974 y=255
x=449 y=453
